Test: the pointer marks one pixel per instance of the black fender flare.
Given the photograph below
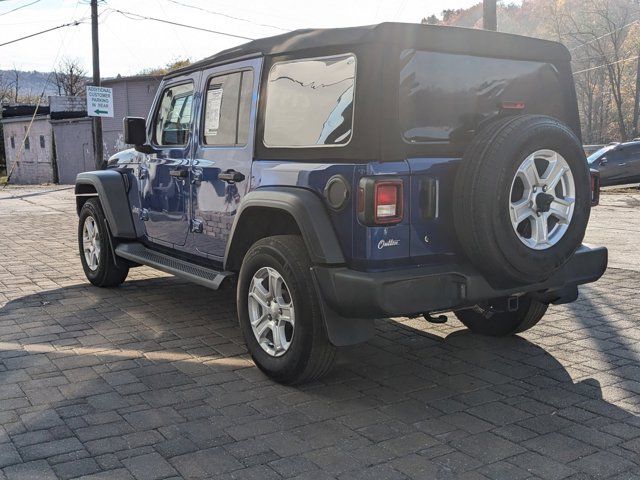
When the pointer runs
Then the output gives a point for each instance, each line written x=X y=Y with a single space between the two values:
x=309 y=213
x=111 y=189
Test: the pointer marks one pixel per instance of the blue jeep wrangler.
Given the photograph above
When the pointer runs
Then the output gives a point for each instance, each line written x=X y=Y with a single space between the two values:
x=337 y=176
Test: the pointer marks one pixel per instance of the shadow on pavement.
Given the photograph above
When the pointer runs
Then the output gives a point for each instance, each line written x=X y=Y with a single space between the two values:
x=159 y=367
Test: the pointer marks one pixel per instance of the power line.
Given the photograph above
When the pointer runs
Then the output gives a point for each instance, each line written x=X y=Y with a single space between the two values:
x=228 y=16
x=605 y=35
x=74 y=23
x=606 y=64
x=18 y=8
x=142 y=17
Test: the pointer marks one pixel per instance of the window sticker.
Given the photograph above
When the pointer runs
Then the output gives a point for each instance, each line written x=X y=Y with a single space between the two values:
x=212 y=116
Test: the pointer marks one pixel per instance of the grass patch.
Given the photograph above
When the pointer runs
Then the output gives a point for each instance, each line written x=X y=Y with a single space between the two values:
x=3 y=180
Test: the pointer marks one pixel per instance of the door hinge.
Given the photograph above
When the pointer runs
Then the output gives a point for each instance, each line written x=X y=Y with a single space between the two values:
x=144 y=214
x=197 y=226
x=143 y=173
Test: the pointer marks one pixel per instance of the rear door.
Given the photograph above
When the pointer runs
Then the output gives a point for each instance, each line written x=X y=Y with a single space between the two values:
x=164 y=174
x=221 y=169
x=630 y=164
x=613 y=166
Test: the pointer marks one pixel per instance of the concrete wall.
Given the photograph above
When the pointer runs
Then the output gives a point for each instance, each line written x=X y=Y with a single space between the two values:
x=74 y=147
x=131 y=97
x=35 y=163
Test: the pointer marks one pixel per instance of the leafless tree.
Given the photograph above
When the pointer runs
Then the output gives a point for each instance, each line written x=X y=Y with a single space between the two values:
x=602 y=41
x=70 y=78
x=16 y=84
x=6 y=89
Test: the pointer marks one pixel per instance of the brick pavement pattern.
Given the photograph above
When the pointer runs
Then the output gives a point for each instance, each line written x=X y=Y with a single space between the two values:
x=151 y=381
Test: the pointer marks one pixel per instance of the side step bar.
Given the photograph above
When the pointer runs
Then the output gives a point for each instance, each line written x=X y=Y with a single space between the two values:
x=207 y=277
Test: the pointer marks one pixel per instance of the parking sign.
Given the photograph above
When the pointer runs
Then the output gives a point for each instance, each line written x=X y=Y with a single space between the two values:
x=99 y=101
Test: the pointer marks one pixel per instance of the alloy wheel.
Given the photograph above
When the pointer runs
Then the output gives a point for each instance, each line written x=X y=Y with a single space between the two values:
x=542 y=199
x=91 y=243
x=271 y=311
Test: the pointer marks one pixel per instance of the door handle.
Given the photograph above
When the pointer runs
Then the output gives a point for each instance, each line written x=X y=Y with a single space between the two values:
x=179 y=173
x=231 y=176
x=623 y=164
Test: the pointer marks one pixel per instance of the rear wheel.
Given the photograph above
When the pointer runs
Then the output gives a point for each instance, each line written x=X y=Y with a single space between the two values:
x=485 y=320
x=279 y=311
x=96 y=255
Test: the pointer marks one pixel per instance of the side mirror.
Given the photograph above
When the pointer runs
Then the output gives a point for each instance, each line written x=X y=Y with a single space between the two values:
x=135 y=131
x=603 y=161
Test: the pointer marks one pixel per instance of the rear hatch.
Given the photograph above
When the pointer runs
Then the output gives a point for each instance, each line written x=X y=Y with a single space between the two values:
x=444 y=99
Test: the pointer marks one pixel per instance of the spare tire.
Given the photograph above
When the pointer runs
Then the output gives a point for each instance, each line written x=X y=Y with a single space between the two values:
x=522 y=199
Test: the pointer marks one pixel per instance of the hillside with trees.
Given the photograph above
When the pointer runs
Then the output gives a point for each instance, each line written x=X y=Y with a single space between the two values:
x=603 y=37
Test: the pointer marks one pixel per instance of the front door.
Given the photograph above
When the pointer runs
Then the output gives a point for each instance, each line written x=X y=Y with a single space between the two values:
x=221 y=169
x=164 y=174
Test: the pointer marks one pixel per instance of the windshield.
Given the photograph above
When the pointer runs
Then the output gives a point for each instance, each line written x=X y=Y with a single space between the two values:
x=598 y=153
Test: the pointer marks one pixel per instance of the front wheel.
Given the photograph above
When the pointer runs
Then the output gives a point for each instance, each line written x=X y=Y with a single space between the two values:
x=486 y=321
x=279 y=311
x=96 y=255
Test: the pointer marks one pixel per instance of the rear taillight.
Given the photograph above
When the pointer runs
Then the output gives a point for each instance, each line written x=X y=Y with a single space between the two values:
x=380 y=201
x=388 y=202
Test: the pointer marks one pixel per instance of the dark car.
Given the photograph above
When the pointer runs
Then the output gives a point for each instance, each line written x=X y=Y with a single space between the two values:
x=332 y=177
x=618 y=163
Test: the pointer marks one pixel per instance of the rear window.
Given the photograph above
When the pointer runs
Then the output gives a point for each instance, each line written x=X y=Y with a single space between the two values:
x=443 y=97
x=310 y=102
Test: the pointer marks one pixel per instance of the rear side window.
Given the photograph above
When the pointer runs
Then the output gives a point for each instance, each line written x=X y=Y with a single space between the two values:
x=310 y=102
x=173 y=119
x=227 y=109
x=444 y=97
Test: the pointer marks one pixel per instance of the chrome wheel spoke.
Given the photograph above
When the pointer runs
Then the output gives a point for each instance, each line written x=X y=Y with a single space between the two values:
x=561 y=209
x=553 y=175
x=278 y=338
x=273 y=283
x=286 y=314
x=260 y=296
x=520 y=211
x=528 y=173
x=540 y=230
x=262 y=327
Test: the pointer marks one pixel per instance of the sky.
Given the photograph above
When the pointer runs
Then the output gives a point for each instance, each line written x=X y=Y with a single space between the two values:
x=129 y=44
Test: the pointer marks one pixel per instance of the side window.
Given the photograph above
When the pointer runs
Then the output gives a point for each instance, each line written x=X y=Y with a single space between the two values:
x=27 y=145
x=13 y=142
x=310 y=102
x=227 y=109
x=42 y=143
x=173 y=118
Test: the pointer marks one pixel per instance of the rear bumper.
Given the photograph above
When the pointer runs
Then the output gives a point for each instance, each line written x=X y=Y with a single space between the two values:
x=356 y=294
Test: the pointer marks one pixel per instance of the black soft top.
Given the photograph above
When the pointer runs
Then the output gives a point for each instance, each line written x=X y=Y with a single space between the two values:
x=431 y=37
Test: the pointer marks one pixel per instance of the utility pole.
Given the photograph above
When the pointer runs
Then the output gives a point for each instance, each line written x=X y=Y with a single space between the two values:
x=98 y=147
x=489 y=15
x=636 y=100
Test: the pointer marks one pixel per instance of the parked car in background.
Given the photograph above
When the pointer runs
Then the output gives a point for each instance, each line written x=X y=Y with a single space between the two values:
x=617 y=163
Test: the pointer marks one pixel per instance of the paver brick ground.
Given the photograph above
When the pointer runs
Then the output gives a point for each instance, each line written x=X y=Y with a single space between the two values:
x=151 y=380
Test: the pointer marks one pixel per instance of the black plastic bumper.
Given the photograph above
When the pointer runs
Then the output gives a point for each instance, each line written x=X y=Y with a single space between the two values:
x=356 y=294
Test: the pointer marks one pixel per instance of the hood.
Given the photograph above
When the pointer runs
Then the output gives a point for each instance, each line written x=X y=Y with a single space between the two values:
x=125 y=156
